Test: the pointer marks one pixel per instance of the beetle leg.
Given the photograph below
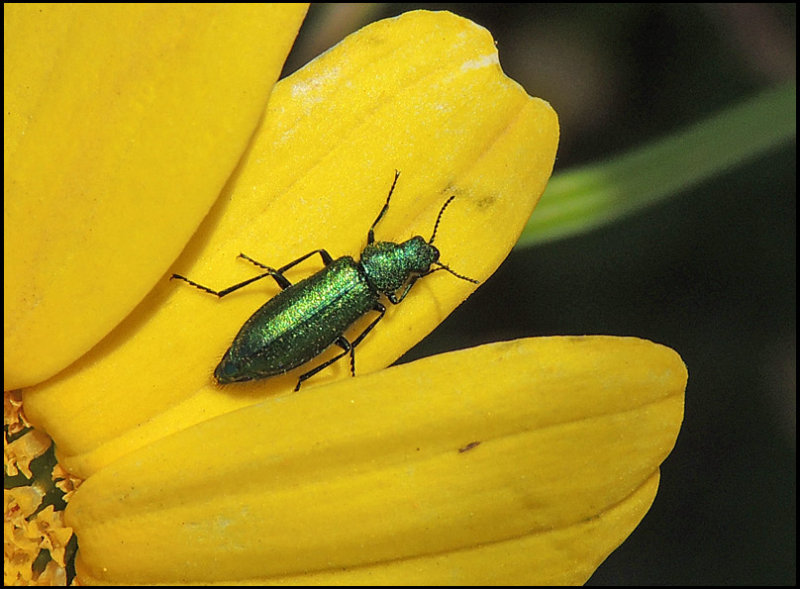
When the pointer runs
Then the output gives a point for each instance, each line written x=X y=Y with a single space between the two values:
x=282 y=282
x=380 y=309
x=343 y=343
x=347 y=346
x=393 y=297
x=277 y=275
x=326 y=259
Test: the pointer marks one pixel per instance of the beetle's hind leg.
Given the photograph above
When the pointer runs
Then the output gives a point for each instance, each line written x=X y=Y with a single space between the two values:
x=326 y=259
x=282 y=282
x=347 y=346
x=277 y=275
x=343 y=343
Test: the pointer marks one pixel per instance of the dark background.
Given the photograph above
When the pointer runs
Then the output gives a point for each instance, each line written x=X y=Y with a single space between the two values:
x=710 y=272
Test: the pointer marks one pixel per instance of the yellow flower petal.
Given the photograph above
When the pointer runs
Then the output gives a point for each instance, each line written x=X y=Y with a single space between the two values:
x=121 y=125
x=422 y=93
x=527 y=461
x=562 y=556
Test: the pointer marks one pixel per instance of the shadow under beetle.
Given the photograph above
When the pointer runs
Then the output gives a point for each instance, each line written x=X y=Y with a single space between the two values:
x=304 y=319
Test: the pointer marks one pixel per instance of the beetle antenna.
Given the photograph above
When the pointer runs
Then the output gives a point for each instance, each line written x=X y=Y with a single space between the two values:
x=439 y=218
x=456 y=274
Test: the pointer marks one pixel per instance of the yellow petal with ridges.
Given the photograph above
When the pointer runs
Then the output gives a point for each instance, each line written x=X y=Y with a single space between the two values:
x=520 y=462
x=423 y=94
x=122 y=124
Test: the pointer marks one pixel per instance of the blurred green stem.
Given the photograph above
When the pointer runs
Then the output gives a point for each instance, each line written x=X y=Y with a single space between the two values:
x=578 y=200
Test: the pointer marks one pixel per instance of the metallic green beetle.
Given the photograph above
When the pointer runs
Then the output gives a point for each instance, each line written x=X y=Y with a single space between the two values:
x=304 y=319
